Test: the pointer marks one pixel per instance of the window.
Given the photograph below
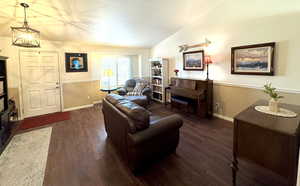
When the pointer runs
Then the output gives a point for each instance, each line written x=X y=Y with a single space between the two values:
x=115 y=70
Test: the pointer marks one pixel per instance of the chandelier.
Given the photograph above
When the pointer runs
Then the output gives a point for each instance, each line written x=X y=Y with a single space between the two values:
x=25 y=36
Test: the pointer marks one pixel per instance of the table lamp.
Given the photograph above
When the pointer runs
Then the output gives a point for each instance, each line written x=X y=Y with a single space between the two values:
x=108 y=73
x=207 y=61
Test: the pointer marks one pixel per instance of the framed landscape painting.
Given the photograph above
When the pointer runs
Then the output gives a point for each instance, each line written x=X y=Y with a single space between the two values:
x=253 y=59
x=193 y=60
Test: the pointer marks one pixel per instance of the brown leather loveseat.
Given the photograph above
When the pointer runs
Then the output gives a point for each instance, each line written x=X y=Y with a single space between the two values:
x=139 y=137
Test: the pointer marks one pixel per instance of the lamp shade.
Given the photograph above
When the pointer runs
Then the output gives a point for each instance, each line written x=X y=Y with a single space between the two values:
x=208 y=60
x=108 y=73
x=25 y=36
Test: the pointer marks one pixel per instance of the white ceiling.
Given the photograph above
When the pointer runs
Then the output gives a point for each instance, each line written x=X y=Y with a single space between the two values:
x=138 y=23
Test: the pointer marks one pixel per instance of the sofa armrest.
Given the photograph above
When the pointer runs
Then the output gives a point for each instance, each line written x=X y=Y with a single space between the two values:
x=146 y=91
x=122 y=91
x=157 y=128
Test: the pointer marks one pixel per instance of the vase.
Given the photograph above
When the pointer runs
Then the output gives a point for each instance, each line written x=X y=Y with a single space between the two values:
x=273 y=105
x=176 y=74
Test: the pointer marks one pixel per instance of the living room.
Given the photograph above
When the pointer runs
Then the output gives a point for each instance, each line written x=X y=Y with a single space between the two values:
x=165 y=92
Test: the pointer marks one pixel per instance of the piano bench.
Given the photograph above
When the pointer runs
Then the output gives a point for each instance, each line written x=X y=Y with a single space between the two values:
x=175 y=102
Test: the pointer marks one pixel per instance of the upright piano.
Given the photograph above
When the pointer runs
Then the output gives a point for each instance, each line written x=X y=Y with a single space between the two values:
x=198 y=93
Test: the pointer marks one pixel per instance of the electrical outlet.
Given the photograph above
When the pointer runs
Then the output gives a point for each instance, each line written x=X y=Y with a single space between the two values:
x=217 y=106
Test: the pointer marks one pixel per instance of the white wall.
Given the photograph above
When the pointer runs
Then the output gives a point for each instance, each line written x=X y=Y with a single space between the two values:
x=13 y=69
x=226 y=31
x=62 y=47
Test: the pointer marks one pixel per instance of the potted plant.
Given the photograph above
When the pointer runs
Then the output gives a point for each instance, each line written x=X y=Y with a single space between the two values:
x=176 y=72
x=273 y=103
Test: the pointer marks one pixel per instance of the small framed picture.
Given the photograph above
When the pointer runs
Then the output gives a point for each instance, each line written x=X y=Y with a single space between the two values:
x=253 y=59
x=76 y=62
x=193 y=60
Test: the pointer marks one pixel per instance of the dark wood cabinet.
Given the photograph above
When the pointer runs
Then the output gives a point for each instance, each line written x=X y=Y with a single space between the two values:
x=6 y=108
x=269 y=141
x=3 y=85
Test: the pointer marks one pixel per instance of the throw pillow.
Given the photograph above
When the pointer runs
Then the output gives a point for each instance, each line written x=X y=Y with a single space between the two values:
x=137 y=91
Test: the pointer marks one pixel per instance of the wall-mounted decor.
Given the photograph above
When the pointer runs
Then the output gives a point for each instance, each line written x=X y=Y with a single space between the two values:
x=193 y=60
x=76 y=62
x=183 y=48
x=253 y=59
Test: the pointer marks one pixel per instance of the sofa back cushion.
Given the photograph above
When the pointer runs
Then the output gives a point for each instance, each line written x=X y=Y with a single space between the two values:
x=115 y=99
x=138 y=116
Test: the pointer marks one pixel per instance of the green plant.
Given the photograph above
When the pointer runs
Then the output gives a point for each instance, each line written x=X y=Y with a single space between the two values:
x=271 y=91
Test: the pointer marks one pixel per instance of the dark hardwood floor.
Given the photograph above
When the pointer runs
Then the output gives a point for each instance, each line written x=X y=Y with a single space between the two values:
x=81 y=155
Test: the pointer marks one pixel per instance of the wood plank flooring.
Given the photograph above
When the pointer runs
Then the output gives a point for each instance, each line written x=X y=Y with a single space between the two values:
x=81 y=155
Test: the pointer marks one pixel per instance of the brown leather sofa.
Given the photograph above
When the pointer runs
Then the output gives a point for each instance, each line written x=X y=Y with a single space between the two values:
x=139 y=136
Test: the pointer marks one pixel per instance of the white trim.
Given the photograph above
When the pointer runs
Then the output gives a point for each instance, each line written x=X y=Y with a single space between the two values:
x=284 y=90
x=77 y=108
x=223 y=117
x=79 y=81
x=97 y=102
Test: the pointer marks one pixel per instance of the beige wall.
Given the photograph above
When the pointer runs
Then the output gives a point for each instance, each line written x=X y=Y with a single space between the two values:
x=81 y=93
x=234 y=99
x=227 y=29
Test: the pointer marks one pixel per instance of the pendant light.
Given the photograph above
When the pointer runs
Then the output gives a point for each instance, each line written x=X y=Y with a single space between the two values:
x=25 y=36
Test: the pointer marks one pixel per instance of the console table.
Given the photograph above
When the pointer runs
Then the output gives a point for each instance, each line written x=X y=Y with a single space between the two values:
x=269 y=141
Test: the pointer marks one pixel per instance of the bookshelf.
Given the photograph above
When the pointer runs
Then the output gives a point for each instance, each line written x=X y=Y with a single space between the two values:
x=3 y=85
x=159 y=78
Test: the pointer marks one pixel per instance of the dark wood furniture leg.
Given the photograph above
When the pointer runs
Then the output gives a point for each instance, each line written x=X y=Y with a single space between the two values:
x=234 y=164
x=234 y=169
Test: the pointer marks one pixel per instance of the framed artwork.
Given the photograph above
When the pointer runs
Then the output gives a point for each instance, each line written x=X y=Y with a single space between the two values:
x=76 y=62
x=193 y=60
x=253 y=59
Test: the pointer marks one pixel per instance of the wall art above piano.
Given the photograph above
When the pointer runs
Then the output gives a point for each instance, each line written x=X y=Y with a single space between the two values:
x=253 y=59
x=193 y=60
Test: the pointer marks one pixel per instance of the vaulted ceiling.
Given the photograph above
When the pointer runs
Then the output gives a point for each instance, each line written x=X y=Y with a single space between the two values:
x=139 y=23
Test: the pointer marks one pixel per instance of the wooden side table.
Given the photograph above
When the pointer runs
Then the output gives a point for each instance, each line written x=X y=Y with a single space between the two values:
x=269 y=141
x=108 y=90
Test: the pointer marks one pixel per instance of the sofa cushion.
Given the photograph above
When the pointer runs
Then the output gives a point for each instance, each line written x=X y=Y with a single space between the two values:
x=138 y=115
x=140 y=100
x=115 y=99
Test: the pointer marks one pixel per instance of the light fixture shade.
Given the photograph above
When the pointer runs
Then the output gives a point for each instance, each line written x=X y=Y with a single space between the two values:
x=25 y=37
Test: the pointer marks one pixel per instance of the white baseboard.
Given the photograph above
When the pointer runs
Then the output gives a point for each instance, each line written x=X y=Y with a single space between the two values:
x=97 y=102
x=223 y=117
x=77 y=108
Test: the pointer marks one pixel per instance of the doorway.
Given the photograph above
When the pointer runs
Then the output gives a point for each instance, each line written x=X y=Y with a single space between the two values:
x=41 y=91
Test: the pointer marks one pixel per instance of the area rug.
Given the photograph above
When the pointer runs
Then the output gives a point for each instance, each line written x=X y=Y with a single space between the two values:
x=23 y=162
x=43 y=120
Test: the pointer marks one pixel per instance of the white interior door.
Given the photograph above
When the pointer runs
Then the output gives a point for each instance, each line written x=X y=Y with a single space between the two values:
x=40 y=83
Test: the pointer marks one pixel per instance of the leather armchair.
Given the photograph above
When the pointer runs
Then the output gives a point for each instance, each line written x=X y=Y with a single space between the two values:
x=129 y=86
x=139 y=136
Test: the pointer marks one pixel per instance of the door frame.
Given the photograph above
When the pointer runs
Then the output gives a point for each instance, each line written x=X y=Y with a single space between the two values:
x=21 y=93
